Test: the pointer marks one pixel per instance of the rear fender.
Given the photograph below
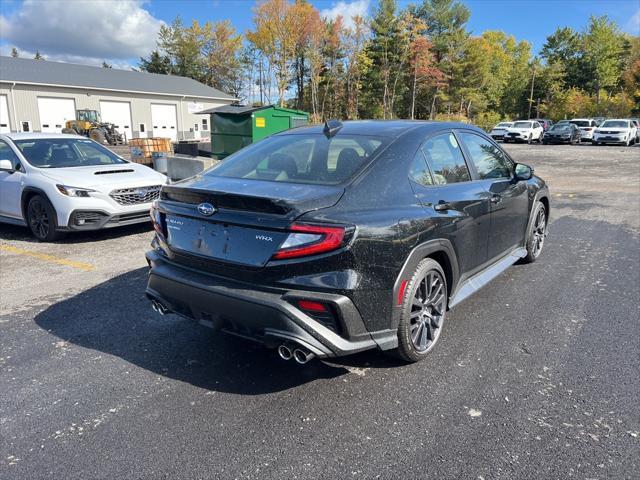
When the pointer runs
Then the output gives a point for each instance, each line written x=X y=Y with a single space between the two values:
x=429 y=248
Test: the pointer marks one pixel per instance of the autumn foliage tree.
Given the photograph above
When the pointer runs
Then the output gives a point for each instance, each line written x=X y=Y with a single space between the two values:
x=416 y=61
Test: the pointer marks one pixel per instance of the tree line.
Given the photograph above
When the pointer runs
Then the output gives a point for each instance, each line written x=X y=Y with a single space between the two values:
x=417 y=62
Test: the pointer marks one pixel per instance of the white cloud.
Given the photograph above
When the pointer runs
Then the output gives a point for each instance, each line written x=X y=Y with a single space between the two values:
x=82 y=31
x=633 y=25
x=347 y=10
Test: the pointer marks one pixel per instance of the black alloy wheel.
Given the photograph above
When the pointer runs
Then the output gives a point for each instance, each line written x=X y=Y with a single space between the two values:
x=537 y=233
x=424 y=310
x=427 y=311
x=41 y=219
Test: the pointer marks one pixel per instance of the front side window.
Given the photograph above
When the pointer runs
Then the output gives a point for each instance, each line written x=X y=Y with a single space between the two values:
x=66 y=152
x=305 y=158
x=7 y=154
x=489 y=161
x=446 y=160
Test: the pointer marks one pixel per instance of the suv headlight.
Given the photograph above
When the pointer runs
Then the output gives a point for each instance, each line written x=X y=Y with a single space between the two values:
x=73 y=191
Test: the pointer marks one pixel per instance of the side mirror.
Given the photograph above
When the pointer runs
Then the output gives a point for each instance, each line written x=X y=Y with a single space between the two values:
x=523 y=172
x=7 y=166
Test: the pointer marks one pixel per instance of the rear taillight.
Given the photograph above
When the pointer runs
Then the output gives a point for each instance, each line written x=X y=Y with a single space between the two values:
x=157 y=220
x=307 y=240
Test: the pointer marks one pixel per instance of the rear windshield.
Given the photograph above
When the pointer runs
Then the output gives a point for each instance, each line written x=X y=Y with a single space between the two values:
x=66 y=152
x=311 y=158
x=615 y=124
x=581 y=123
x=503 y=125
x=522 y=125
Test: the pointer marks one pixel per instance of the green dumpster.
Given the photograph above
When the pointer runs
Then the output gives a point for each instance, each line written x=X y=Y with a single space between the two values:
x=236 y=126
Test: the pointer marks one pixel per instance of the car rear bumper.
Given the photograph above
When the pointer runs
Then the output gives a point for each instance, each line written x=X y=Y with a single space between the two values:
x=264 y=314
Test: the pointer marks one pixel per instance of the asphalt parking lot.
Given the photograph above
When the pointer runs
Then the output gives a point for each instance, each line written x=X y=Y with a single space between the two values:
x=535 y=377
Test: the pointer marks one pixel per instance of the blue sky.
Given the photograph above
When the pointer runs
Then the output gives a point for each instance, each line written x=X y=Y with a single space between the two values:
x=121 y=31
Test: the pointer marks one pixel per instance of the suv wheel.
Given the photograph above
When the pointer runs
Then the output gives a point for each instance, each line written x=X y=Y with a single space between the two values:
x=41 y=218
x=423 y=310
x=537 y=233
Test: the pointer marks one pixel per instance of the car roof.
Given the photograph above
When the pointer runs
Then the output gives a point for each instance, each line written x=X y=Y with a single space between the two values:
x=618 y=119
x=381 y=128
x=34 y=135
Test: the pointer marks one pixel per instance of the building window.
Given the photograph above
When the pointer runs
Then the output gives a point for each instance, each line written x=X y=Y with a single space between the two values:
x=25 y=126
x=205 y=124
x=196 y=127
x=142 y=128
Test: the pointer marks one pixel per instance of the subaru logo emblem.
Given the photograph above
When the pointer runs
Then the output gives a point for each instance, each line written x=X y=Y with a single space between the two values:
x=141 y=192
x=206 y=209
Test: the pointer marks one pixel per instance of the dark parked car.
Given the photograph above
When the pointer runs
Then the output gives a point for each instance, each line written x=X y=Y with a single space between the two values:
x=562 y=133
x=329 y=241
x=545 y=122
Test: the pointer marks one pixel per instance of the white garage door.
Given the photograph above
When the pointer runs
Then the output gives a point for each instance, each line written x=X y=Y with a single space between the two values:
x=54 y=112
x=165 y=121
x=118 y=113
x=5 y=126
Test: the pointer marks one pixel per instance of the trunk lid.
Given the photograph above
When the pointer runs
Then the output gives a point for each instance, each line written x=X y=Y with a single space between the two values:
x=249 y=218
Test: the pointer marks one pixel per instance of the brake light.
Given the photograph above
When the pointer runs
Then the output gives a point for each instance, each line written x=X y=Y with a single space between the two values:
x=157 y=220
x=307 y=240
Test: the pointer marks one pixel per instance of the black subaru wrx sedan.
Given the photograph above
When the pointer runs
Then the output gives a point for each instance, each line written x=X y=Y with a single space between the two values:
x=328 y=240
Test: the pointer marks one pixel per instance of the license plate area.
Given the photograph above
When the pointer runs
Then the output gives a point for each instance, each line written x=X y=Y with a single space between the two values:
x=222 y=241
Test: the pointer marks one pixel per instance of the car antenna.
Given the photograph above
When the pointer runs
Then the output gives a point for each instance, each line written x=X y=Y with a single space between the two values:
x=331 y=127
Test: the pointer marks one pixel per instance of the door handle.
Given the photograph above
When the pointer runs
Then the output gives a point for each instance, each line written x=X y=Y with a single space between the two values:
x=442 y=206
x=495 y=199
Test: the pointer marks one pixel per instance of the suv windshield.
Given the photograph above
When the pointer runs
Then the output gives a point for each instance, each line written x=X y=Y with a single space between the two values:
x=522 y=125
x=311 y=158
x=66 y=152
x=615 y=124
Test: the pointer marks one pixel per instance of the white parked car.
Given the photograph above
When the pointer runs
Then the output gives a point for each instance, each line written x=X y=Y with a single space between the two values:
x=524 y=131
x=621 y=131
x=54 y=183
x=497 y=133
x=587 y=126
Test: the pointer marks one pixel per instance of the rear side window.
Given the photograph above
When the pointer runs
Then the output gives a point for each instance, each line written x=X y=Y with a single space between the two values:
x=445 y=158
x=420 y=171
x=489 y=161
x=311 y=158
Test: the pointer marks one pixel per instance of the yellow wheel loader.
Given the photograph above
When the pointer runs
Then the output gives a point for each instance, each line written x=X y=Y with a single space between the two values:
x=89 y=124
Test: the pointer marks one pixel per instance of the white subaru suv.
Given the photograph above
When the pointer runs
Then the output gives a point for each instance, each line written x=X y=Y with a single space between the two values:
x=524 y=131
x=613 y=130
x=55 y=183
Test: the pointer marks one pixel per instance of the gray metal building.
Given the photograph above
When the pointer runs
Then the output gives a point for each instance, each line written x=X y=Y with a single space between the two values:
x=40 y=96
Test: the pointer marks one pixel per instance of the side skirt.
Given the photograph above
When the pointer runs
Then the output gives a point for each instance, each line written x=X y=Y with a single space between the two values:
x=13 y=221
x=480 y=279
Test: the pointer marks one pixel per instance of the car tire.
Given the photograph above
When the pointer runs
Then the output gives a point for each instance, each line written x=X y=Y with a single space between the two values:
x=41 y=218
x=536 y=233
x=529 y=140
x=424 y=307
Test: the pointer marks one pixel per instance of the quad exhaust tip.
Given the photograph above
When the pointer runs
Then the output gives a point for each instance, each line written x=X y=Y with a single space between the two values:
x=300 y=355
x=285 y=352
x=158 y=307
